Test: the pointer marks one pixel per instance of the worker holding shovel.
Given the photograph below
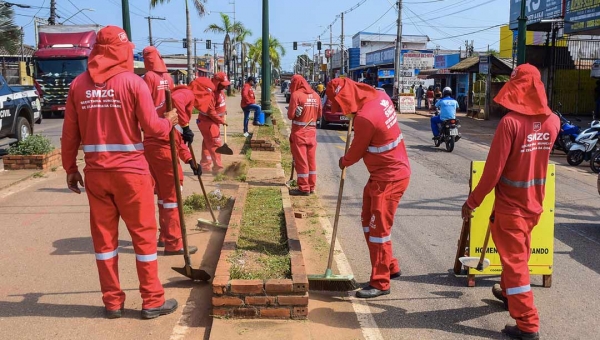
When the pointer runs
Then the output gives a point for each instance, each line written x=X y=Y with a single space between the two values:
x=158 y=154
x=378 y=141
x=208 y=122
x=516 y=167
x=117 y=178
x=304 y=111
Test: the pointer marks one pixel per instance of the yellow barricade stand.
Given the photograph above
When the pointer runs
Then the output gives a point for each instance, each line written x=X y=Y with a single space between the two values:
x=542 y=237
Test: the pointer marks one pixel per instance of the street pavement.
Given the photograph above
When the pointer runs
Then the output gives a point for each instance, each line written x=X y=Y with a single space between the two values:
x=427 y=302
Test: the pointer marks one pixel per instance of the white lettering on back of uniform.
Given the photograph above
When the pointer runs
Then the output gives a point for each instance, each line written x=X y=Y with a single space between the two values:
x=99 y=93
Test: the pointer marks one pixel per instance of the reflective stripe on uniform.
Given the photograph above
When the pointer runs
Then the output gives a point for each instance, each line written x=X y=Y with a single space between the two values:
x=520 y=184
x=312 y=172
x=113 y=147
x=518 y=290
x=146 y=258
x=366 y=229
x=391 y=146
x=160 y=202
x=169 y=205
x=107 y=256
x=384 y=239
x=295 y=122
x=302 y=175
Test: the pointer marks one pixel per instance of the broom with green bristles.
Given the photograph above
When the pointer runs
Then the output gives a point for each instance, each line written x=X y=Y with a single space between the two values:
x=329 y=281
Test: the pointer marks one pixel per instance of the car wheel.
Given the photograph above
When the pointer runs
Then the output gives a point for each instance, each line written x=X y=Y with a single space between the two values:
x=23 y=129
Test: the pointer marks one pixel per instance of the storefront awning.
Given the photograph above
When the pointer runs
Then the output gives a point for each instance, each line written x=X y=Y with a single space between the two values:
x=361 y=67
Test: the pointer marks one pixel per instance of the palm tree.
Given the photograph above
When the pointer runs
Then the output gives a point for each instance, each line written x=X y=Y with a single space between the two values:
x=276 y=51
x=10 y=34
x=228 y=27
x=199 y=4
x=244 y=47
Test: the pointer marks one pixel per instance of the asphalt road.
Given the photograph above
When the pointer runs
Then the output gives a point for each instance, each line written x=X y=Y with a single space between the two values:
x=428 y=302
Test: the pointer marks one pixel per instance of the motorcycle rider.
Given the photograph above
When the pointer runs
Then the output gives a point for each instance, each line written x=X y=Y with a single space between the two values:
x=448 y=107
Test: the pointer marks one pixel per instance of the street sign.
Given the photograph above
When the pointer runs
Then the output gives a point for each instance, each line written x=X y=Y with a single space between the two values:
x=542 y=237
x=484 y=65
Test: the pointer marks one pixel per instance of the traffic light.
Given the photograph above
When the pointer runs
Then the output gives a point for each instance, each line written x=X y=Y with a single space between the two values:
x=295 y=45
x=318 y=45
x=208 y=44
x=184 y=43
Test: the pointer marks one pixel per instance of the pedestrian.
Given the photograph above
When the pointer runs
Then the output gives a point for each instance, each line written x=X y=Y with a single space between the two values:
x=420 y=92
x=429 y=96
x=107 y=108
x=378 y=141
x=209 y=124
x=249 y=104
x=437 y=95
x=516 y=168
x=304 y=111
x=158 y=154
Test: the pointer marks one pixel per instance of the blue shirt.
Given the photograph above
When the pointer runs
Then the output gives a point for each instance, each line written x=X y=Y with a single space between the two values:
x=448 y=107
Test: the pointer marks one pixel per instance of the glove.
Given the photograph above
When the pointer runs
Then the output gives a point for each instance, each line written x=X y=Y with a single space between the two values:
x=188 y=135
x=196 y=170
x=299 y=110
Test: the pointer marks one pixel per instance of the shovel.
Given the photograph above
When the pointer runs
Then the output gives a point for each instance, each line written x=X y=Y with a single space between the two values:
x=224 y=149
x=212 y=213
x=187 y=270
x=479 y=263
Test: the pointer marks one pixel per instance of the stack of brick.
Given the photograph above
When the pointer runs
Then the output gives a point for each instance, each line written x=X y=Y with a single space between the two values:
x=32 y=162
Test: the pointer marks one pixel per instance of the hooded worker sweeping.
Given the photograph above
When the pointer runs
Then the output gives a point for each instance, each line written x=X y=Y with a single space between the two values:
x=158 y=154
x=378 y=141
x=208 y=122
x=516 y=168
x=106 y=109
x=304 y=111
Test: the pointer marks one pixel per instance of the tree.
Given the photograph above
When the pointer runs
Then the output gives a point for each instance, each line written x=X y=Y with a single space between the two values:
x=227 y=27
x=241 y=38
x=201 y=10
x=10 y=35
x=276 y=51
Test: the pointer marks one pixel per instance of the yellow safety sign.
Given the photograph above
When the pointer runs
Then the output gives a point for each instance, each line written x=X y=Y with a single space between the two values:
x=542 y=237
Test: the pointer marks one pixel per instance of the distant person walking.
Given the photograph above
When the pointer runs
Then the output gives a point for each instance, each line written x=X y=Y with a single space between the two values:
x=419 y=94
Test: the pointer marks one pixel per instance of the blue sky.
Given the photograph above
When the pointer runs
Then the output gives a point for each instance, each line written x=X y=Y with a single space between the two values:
x=447 y=22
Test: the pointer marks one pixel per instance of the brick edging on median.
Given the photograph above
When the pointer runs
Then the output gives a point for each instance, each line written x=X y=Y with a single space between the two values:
x=260 y=144
x=279 y=299
x=32 y=162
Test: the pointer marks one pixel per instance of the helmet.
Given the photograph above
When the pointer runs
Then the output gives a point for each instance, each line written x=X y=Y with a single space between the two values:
x=447 y=91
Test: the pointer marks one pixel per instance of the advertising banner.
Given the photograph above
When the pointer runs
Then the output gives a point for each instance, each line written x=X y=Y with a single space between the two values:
x=536 y=10
x=582 y=15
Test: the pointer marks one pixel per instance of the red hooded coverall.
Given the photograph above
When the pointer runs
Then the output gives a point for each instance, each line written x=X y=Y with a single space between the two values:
x=516 y=167
x=208 y=122
x=158 y=151
x=379 y=142
x=106 y=107
x=303 y=138
x=220 y=82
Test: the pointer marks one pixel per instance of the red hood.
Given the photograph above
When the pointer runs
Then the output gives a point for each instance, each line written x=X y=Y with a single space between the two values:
x=153 y=61
x=112 y=54
x=348 y=96
x=299 y=83
x=524 y=93
x=203 y=89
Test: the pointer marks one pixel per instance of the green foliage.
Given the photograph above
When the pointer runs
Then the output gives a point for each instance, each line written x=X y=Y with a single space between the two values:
x=196 y=202
x=32 y=145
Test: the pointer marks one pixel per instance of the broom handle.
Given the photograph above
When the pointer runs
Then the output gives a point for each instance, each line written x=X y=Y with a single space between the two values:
x=485 y=245
x=202 y=184
x=175 y=163
x=225 y=133
x=339 y=199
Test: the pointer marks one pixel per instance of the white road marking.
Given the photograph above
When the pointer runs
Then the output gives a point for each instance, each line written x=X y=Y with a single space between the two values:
x=182 y=327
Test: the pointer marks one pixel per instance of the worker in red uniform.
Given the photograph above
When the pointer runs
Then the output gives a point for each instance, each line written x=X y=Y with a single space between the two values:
x=106 y=109
x=158 y=154
x=208 y=122
x=516 y=167
x=378 y=141
x=304 y=111
x=249 y=103
x=221 y=82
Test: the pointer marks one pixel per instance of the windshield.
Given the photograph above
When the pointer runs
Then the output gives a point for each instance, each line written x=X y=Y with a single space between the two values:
x=60 y=67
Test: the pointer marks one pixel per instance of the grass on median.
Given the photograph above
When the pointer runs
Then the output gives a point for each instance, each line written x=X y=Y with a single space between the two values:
x=196 y=202
x=262 y=251
x=284 y=143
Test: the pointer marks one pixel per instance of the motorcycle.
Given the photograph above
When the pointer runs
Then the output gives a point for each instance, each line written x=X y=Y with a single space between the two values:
x=449 y=133
x=567 y=134
x=584 y=145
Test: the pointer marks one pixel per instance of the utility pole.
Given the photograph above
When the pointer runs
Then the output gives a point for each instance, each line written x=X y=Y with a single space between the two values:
x=52 y=19
x=342 y=47
x=266 y=65
x=398 y=54
x=126 y=20
x=330 y=73
x=320 y=63
x=522 y=35
x=195 y=57
x=22 y=50
x=150 y=28
x=188 y=37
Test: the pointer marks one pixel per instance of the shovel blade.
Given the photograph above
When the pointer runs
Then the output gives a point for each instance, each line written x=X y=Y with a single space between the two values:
x=224 y=150
x=473 y=262
x=194 y=274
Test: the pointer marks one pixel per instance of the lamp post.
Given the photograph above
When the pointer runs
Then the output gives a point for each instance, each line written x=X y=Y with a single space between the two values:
x=81 y=10
x=234 y=59
x=160 y=41
x=522 y=35
x=266 y=65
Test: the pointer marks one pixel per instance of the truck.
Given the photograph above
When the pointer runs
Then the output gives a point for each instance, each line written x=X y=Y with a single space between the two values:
x=61 y=56
x=19 y=110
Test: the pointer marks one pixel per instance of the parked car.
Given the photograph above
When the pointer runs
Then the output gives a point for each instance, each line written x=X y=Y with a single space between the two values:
x=285 y=85
x=287 y=94
x=329 y=117
x=20 y=109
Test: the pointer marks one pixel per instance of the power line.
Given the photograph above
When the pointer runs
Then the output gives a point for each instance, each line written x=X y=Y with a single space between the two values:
x=29 y=23
x=381 y=17
x=82 y=12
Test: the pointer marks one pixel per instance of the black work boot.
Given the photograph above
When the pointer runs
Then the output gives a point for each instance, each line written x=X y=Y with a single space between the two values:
x=167 y=308
x=395 y=275
x=514 y=332
x=371 y=292
x=192 y=250
x=298 y=192
x=114 y=314
x=497 y=291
